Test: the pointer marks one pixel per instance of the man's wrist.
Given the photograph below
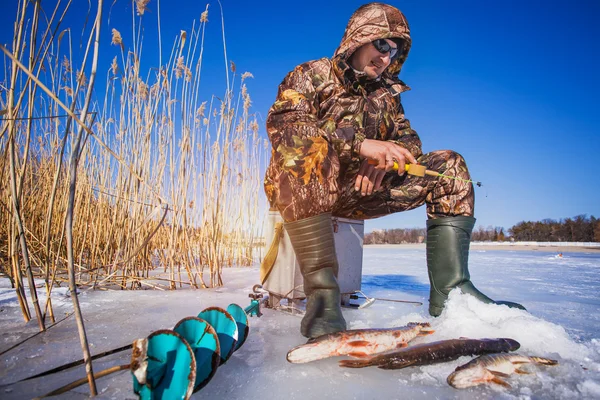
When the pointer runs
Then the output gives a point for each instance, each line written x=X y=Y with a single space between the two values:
x=357 y=143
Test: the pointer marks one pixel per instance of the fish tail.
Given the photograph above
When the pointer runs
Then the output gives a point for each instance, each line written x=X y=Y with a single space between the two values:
x=426 y=331
x=544 y=361
x=356 y=363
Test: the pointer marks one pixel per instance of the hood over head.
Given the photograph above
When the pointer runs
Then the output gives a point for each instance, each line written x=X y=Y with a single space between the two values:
x=376 y=21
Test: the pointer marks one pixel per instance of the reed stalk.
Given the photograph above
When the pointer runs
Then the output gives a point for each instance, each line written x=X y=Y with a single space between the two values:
x=14 y=191
x=75 y=155
x=164 y=183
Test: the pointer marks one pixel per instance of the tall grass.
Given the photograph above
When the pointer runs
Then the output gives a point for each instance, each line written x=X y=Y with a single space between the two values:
x=167 y=182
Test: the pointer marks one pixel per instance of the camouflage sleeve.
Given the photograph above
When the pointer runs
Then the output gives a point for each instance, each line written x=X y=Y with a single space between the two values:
x=293 y=116
x=404 y=135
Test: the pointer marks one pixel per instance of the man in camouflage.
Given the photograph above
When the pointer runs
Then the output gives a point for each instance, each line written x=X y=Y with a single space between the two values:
x=336 y=129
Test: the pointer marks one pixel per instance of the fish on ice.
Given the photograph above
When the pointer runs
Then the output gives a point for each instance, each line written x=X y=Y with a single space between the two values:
x=491 y=368
x=357 y=342
x=435 y=352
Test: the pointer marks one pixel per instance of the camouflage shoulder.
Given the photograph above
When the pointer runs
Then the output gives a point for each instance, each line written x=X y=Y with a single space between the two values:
x=395 y=85
x=319 y=70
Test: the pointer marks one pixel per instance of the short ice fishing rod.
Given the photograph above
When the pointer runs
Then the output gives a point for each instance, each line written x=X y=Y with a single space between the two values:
x=421 y=170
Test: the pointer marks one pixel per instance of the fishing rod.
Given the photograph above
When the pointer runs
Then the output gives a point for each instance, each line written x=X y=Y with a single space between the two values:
x=371 y=300
x=421 y=170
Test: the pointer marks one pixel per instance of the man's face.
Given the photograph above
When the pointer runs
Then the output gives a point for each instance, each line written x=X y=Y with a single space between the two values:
x=371 y=61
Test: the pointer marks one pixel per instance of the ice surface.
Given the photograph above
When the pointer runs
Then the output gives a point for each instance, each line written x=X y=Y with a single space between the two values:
x=561 y=294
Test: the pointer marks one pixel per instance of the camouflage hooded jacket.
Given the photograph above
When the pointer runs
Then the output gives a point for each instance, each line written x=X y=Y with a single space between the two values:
x=325 y=109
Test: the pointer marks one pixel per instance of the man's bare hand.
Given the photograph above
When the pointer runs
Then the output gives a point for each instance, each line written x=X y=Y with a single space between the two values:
x=385 y=153
x=368 y=178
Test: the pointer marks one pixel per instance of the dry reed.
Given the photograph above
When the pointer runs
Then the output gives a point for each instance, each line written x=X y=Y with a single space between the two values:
x=149 y=186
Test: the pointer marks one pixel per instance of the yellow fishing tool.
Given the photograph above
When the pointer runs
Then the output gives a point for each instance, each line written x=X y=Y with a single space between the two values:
x=421 y=170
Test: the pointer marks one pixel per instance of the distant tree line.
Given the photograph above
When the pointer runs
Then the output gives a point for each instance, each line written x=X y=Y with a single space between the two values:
x=489 y=234
x=395 y=236
x=577 y=229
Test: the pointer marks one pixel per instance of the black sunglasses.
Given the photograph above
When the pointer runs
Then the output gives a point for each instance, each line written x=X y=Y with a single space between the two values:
x=383 y=47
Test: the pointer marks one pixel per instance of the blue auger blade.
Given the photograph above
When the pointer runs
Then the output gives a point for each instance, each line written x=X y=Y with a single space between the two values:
x=171 y=370
x=241 y=319
x=226 y=329
x=204 y=342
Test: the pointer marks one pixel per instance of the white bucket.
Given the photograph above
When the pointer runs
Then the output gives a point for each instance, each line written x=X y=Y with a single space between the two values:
x=285 y=279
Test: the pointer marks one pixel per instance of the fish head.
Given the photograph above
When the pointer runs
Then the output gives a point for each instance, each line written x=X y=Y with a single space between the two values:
x=466 y=377
x=302 y=353
x=501 y=344
x=512 y=344
x=325 y=337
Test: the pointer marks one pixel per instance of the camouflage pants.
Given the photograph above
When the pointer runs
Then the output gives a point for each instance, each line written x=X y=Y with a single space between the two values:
x=296 y=200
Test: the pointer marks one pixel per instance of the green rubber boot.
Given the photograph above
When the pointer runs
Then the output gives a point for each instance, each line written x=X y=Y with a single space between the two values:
x=312 y=240
x=448 y=241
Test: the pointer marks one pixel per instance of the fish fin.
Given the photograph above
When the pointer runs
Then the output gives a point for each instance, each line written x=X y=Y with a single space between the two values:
x=522 y=371
x=499 y=374
x=401 y=345
x=355 y=363
x=500 y=382
x=358 y=354
x=544 y=361
x=426 y=331
x=397 y=365
x=358 y=343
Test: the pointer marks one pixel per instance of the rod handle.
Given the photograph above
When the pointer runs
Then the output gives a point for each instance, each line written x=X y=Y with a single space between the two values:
x=412 y=169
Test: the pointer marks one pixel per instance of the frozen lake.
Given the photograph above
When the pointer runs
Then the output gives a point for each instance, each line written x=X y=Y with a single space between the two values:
x=562 y=290
x=561 y=294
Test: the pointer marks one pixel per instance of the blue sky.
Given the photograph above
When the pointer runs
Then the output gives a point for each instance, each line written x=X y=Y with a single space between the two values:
x=512 y=86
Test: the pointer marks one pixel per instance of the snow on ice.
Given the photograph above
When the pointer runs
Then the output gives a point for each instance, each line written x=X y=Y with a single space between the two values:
x=562 y=296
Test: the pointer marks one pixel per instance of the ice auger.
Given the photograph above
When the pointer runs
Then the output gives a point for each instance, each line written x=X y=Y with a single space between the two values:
x=173 y=364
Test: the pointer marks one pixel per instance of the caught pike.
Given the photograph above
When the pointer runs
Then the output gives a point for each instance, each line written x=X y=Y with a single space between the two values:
x=357 y=342
x=431 y=353
x=491 y=368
